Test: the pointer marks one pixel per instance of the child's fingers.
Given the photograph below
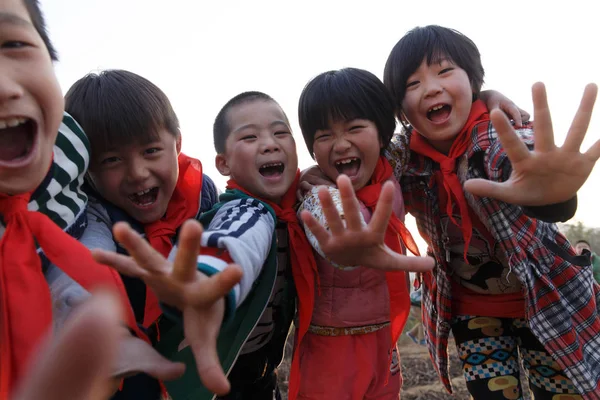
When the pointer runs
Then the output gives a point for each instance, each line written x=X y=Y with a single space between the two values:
x=318 y=230
x=139 y=249
x=332 y=215
x=349 y=203
x=188 y=248
x=137 y=356
x=582 y=118
x=414 y=264
x=76 y=365
x=515 y=149
x=201 y=331
x=594 y=152
x=543 y=133
x=124 y=264
x=381 y=217
x=216 y=287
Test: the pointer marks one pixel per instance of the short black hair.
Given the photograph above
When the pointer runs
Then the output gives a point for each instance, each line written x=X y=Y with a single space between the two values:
x=39 y=23
x=433 y=43
x=221 y=128
x=342 y=95
x=118 y=108
x=583 y=241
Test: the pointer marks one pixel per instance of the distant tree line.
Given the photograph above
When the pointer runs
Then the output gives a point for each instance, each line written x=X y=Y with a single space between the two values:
x=578 y=231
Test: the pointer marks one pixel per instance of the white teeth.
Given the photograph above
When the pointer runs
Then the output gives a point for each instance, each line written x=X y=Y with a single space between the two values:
x=272 y=165
x=11 y=122
x=143 y=192
x=346 y=161
x=435 y=108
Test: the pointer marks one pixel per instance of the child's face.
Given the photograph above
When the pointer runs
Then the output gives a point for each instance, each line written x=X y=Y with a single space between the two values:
x=438 y=102
x=348 y=147
x=139 y=178
x=31 y=102
x=260 y=152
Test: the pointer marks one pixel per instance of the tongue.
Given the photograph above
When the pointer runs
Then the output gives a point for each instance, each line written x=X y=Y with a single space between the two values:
x=270 y=172
x=14 y=143
x=440 y=115
x=350 y=169
x=146 y=198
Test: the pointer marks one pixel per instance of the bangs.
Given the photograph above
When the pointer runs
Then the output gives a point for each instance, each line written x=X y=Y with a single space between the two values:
x=343 y=95
x=118 y=108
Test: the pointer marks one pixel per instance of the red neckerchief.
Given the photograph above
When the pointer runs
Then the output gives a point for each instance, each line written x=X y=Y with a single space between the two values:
x=183 y=205
x=25 y=301
x=449 y=179
x=304 y=270
x=396 y=236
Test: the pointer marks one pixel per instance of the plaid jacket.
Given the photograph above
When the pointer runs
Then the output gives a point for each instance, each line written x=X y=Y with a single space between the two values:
x=561 y=295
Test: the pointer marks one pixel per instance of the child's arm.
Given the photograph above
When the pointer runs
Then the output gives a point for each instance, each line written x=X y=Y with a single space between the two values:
x=350 y=242
x=494 y=99
x=548 y=174
x=181 y=285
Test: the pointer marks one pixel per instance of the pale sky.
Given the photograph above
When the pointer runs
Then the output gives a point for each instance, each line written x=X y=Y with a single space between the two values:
x=202 y=53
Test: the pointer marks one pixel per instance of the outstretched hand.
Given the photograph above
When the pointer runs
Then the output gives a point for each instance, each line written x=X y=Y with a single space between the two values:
x=181 y=285
x=77 y=364
x=354 y=244
x=548 y=174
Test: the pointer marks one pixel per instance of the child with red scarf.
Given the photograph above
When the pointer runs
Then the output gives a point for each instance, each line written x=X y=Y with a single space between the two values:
x=507 y=284
x=44 y=270
x=137 y=174
x=357 y=313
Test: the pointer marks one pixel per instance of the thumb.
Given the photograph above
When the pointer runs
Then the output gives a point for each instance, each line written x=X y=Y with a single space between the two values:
x=484 y=188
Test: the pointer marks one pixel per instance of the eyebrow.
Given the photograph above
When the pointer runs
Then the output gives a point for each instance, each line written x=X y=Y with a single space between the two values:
x=272 y=124
x=12 y=19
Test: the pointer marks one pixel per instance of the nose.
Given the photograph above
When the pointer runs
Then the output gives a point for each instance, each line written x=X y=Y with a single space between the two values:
x=137 y=171
x=433 y=87
x=10 y=89
x=269 y=144
x=341 y=144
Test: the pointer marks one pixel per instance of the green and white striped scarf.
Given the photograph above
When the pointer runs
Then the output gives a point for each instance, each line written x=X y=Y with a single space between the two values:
x=60 y=195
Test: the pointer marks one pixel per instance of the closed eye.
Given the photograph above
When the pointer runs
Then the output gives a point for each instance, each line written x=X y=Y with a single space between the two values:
x=152 y=150
x=282 y=133
x=412 y=83
x=248 y=137
x=109 y=160
x=445 y=70
x=14 y=44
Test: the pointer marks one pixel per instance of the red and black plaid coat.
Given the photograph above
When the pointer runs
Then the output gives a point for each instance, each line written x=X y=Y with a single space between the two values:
x=561 y=295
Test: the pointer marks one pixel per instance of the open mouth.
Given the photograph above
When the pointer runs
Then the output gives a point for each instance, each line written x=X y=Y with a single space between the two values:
x=272 y=170
x=17 y=138
x=348 y=166
x=439 y=113
x=145 y=197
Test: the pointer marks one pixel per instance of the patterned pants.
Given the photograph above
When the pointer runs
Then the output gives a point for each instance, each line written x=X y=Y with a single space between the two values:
x=489 y=349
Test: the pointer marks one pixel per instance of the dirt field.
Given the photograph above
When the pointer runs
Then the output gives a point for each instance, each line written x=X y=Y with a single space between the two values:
x=420 y=379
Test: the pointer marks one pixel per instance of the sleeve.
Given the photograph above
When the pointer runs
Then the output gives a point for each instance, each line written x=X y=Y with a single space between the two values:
x=210 y=195
x=312 y=204
x=240 y=232
x=499 y=169
x=397 y=153
x=98 y=233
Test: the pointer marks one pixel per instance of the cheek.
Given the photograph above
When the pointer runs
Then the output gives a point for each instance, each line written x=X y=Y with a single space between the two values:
x=107 y=182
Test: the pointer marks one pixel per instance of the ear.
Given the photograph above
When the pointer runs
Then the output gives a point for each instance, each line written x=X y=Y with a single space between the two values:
x=222 y=165
x=178 y=143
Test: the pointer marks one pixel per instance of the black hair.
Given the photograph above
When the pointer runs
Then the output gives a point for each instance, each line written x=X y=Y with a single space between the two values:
x=39 y=23
x=583 y=241
x=221 y=128
x=342 y=95
x=118 y=108
x=432 y=43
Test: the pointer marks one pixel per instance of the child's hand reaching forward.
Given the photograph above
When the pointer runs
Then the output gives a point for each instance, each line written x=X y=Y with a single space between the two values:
x=354 y=244
x=548 y=174
x=181 y=285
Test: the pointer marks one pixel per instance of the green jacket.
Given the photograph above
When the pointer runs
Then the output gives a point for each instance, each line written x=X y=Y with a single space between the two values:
x=238 y=323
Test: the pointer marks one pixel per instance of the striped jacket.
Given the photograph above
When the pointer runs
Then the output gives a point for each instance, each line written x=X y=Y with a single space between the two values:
x=561 y=295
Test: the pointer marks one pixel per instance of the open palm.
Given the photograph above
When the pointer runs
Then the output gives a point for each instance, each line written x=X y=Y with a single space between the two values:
x=548 y=174
x=351 y=243
x=179 y=284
